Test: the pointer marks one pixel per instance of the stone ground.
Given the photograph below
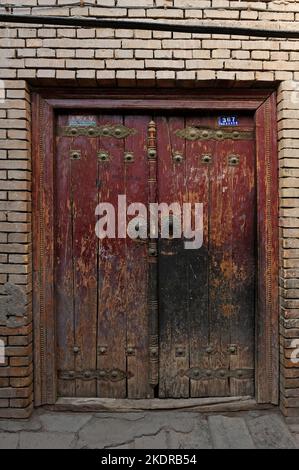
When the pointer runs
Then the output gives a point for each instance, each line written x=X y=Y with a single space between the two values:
x=149 y=430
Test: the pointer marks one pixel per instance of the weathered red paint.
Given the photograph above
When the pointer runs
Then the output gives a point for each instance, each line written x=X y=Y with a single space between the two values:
x=97 y=286
x=207 y=295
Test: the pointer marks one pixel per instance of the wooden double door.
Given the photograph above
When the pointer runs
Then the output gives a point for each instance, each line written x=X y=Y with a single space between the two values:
x=144 y=318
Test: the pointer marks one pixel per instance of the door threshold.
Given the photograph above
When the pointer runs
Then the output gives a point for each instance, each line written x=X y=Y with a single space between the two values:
x=215 y=404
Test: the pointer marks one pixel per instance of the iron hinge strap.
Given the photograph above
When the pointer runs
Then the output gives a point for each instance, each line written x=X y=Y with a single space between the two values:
x=196 y=373
x=198 y=133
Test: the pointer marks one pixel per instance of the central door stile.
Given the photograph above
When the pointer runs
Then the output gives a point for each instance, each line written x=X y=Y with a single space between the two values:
x=153 y=263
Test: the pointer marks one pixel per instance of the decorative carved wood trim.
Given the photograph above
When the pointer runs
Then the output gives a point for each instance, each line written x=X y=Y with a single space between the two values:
x=267 y=374
x=153 y=282
x=43 y=294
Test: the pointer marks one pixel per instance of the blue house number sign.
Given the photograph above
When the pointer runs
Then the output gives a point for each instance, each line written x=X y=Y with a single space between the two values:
x=228 y=121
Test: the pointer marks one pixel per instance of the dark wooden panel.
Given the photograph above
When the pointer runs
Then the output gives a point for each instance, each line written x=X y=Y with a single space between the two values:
x=220 y=268
x=64 y=275
x=76 y=259
x=122 y=277
x=84 y=257
x=197 y=190
x=244 y=266
x=207 y=295
x=173 y=288
x=136 y=289
x=232 y=250
x=112 y=314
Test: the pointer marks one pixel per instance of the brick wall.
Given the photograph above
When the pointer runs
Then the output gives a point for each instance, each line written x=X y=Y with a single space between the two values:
x=15 y=250
x=56 y=56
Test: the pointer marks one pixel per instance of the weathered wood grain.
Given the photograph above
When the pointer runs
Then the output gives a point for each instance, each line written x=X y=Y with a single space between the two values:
x=84 y=199
x=46 y=335
x=173 y=287
x=197 y=261
x=64 y=275
x=244 y=261
x=136 y=290
x=112 y=269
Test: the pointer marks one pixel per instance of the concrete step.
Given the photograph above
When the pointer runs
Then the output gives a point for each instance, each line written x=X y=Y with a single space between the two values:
x=230 y=433
x=271 y=432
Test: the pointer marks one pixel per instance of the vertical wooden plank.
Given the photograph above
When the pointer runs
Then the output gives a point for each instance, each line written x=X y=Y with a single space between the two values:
x=112 y=271
x=174 y=334
x=220 y=270
x=49 y=334
x=84 y=241
x=197 y=191
x=43 y=295
x=243 y=200
x=136 y=281
x=63 y=266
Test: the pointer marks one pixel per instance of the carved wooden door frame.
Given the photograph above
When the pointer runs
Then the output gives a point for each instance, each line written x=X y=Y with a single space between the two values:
x=263 y=104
